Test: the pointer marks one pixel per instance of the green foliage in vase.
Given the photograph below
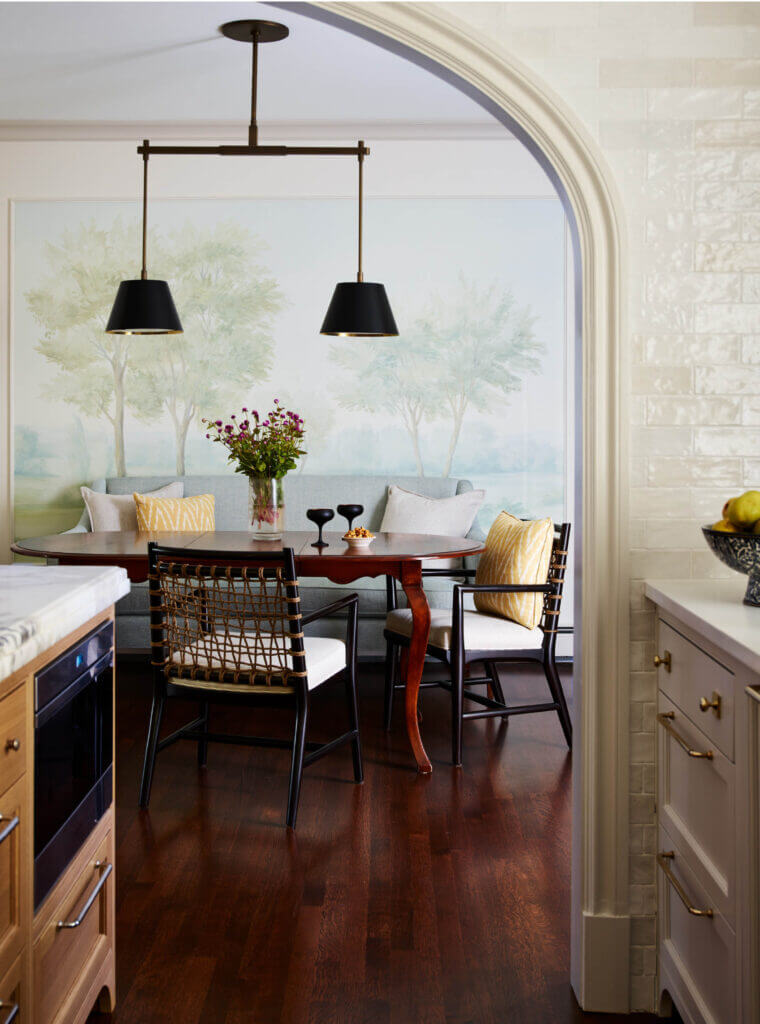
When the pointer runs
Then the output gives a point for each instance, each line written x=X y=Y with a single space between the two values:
x=257 y=447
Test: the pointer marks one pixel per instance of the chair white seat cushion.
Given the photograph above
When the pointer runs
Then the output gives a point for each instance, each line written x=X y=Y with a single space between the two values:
x=325 y=657
x=481 y=632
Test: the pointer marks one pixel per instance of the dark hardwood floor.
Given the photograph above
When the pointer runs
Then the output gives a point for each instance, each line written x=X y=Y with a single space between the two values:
x=407 y=900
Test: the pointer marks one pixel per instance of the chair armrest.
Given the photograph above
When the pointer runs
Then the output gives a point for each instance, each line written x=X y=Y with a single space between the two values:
x=330 y=609
x=449 y=572
x=504 y=588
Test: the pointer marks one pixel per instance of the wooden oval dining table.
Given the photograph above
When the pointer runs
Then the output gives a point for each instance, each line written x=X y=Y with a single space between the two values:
x=397 y=555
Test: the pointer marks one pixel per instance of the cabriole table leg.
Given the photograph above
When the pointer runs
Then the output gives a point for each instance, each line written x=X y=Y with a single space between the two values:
x=412 y=583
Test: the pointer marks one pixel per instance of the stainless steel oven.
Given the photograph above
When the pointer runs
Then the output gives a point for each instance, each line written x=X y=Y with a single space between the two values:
x=73 y=753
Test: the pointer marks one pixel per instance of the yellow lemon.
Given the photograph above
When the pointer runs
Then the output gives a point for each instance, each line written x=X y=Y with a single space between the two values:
x=725 y=526
x=744 y=511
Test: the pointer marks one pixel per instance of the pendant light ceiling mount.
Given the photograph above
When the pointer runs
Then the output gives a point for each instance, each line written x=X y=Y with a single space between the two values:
x=253 y=29
x=357 y=309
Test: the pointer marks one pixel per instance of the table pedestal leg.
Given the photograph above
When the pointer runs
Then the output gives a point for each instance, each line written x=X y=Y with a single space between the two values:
x=420 y=610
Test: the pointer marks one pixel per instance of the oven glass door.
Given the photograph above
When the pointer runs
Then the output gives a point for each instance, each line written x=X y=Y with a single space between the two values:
x=73 y=749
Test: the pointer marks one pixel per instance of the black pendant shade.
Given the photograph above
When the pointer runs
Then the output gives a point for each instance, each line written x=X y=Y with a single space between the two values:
x=143 y=307
x=359 y=309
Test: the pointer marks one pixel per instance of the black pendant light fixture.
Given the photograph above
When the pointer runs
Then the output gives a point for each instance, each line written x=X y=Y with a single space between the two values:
x=144 y=306
x=360 y=309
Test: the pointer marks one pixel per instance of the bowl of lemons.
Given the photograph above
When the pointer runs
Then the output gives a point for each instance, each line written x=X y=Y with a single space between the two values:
x=735 y=539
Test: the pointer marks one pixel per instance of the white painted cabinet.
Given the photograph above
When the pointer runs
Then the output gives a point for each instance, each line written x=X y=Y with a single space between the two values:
x=708 y=801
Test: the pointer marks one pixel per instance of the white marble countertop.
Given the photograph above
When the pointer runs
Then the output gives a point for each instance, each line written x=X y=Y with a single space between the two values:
x=41 y=604
x=713 y=608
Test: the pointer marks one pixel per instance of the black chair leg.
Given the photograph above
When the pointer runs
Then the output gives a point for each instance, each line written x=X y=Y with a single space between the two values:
x=296 y=765
x=493 y=673
x=457 y=696
x=391 y=675
x=203 y=744
x=555 y=685
x=151 y=746
x=353 y=717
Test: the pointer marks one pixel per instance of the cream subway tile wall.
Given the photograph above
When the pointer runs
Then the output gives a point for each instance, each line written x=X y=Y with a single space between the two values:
x=671 y=94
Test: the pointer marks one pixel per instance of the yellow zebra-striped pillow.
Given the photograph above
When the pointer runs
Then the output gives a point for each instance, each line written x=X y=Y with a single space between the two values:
x=516 y=552
x=175 y=514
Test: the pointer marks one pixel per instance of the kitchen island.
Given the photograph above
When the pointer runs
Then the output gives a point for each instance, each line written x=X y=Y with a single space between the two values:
x=56 y=786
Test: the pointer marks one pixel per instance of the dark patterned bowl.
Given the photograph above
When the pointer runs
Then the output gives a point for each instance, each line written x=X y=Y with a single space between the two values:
x=739 y=551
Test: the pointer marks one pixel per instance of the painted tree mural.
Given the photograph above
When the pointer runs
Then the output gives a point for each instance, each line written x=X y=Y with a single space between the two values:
x=72 y=303
x=393 y=375
x=468 y=349
x=227 y=302
x=484 y=344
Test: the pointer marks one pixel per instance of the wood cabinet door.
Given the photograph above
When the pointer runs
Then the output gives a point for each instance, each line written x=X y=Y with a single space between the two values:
x=75 y=939
x=14 y=998
x=15 y=867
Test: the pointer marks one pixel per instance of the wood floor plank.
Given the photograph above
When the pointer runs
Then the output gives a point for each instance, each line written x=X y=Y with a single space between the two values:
x=407 y=900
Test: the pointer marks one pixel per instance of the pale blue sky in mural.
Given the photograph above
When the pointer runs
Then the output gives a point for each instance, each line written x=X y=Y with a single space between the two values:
x=475 y=385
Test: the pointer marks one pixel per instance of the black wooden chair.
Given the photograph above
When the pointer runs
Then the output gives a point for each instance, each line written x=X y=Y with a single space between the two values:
x=460 y=637
x=228 y=629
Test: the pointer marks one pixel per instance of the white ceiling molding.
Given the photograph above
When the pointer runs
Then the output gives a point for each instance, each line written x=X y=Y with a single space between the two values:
x=229 y=131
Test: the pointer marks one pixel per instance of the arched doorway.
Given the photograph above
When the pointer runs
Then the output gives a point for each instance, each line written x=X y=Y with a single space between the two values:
x=433 y=39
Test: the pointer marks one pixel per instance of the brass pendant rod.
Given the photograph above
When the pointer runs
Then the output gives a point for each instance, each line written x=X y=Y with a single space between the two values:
x=359 y=274
x=253 y=130
x=251 y=150
x=146 y=152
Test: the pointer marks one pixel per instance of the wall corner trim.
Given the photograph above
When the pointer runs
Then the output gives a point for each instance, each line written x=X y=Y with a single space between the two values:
x=605 y=939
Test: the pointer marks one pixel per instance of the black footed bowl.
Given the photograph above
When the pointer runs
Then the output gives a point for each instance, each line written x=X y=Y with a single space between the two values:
x=739 y=551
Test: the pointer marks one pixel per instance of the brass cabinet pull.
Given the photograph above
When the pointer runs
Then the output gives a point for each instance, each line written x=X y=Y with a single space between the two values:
x=12 y=823
x=14 y=744
x=662 y=859
x=91 y=898
x=714 y=703
x=665 y=718
x=665 y=660
x=12 y=1007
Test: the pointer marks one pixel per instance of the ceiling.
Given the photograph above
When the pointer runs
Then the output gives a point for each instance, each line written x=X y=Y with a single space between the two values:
x=166 y=62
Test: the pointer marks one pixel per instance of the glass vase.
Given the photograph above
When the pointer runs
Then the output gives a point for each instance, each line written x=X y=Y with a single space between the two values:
x=266 y=508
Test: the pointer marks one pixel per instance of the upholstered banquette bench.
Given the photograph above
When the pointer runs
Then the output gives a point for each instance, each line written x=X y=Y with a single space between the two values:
x=302 y=491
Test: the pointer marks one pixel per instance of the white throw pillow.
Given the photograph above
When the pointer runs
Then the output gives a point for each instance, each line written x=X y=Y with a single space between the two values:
x=110 y=512
x=407 y=512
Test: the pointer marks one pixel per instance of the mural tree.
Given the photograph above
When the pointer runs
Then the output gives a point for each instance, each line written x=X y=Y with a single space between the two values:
x=72 y=303
x=469 y=349
x=484 y=344
x=393 y=375
x=226 y=301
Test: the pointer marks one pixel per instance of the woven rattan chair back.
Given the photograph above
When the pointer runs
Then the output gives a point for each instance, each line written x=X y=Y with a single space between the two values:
x=556 y=577
x=231 y=620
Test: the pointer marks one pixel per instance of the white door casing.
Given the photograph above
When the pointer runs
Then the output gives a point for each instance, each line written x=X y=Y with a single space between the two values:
x=600 y=904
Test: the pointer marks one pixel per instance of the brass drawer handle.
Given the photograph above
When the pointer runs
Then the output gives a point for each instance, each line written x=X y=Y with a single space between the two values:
x=13 y=1007
x=662 y=860
x=665 y=660
x=714 y=703
x=14 y=744
x=665 y=719
x=12 y=823
x=91 y=898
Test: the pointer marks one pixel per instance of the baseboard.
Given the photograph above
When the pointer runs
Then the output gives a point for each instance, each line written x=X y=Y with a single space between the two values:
x=605 y=970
